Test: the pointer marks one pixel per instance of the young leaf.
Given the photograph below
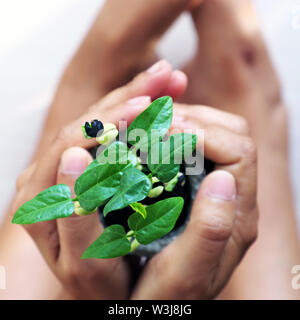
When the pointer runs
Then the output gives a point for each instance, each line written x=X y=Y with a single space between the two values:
x=139 y=207
x=95 y=186
x=158 y=116
x=117 y=152
x=134 y=187
x=169 y=154
x=101 y=181
x=111 y=244
x=160 y=220
x=52 y=203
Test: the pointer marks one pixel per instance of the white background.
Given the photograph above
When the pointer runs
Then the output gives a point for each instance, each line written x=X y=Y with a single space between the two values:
x=37 y=38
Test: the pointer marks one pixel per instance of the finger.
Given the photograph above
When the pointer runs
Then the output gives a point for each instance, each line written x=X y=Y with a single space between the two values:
x=202 y=117
x=177 y=85
x=237 y=155
x=75 y=233
x=220 y=145
x=198 y=251
x=111 y=108
x=45 y=234
x=152 y=82
x=149 y=82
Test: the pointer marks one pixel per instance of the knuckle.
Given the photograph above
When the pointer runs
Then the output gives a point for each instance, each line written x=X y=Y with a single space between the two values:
x=174 y=282
x=252 y=233
x=249 y=149
x=253 y=236
x=163 y=266
x=243 y=125
x=172 y=279
x=213 y=228
x=71 y=272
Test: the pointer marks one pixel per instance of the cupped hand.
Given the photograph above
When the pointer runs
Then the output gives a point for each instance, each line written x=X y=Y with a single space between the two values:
x=120 y=43
x=223 y=221
x=62 y=242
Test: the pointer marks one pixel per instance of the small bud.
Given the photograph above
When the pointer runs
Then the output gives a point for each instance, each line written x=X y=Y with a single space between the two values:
x=134 y=245
x=80 y=211
x=155 y=192
x=108 y=127
x=93 y=129
x=139 y=167
x=171 y=184
x=108 y=135
x=154 y=180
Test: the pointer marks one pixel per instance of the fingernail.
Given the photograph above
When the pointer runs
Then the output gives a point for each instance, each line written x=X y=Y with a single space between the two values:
x=178 y=76
x=221 y=186
x=73 y=162
x=156 y=67
x=139 y=100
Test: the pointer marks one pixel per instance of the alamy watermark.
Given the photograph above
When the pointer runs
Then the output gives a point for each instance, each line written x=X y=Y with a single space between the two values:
x=174 y=148
x=296 y=278
x=2 y=278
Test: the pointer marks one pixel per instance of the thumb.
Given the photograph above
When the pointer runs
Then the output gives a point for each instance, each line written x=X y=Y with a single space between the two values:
x=75 y=233
x=198 y=250
x=212 y=218
x=201 y=247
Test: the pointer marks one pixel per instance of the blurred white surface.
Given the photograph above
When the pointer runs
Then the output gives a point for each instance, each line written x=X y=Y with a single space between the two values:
x=37 y=38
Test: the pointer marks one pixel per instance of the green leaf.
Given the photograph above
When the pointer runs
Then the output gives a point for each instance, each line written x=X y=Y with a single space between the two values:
x=118 y=152
x=160 y=220
x=164 y=159
x=84 y=133
x=94 y=187
x=101 y=181
x=111 y=244
x=52 y=203
x=134 y=187
x=158 y=117
x=139 y=207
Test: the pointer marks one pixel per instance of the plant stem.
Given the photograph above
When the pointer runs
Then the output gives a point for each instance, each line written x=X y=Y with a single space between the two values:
x=130 y=233
x=134 y=245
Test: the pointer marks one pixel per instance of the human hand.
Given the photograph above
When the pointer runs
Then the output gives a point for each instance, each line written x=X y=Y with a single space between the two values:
x=62 y=242
x=223 y=220
x=112 y=53
x=233 y=71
